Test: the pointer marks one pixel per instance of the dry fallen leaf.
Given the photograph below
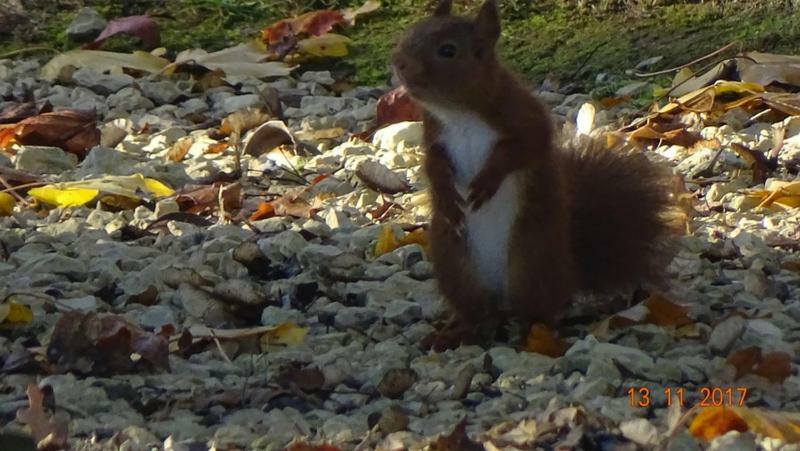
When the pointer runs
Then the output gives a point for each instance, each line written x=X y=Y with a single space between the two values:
x=48 y=433
x=715 y=421
x=302 y=445
x=393 y=106
x=330 y=45
x=380 y=178
x=664 y=312
x=265 y=210
x=243 y=60
x=205 y=198
x=7 y=202
x=180 y=148
x=143 y=27
x=75 y=131
x=14 y=313
x=785 y=195
x=543 y=341
x=122 y=188
x=102 y=61
x=100 y=343
x=761 y=165
x=387 y=241
x=282 y=36
x=457 y=440
x=774 y=366
x=18 y=112
x=657 y=309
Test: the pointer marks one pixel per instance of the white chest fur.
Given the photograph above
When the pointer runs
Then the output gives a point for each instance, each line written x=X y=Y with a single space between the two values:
x=469 y=141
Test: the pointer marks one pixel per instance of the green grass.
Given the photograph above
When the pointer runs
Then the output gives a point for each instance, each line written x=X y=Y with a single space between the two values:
x=540 y=37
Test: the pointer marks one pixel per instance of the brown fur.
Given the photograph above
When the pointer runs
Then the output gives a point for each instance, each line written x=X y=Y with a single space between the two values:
x=590 y=219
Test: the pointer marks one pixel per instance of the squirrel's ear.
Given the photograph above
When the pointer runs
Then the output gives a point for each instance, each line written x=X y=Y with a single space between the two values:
x=487 y=23
x=443 y=8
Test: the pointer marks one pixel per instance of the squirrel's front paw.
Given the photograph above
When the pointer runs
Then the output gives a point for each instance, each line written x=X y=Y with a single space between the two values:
x=482 y=188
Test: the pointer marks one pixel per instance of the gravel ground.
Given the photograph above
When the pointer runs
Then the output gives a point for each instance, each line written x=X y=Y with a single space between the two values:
x=359 y=378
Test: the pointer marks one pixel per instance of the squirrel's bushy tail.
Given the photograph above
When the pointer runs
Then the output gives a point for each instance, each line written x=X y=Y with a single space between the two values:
x=620 y=234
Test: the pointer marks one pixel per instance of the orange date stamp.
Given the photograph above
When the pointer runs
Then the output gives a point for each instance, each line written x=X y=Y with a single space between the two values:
x=708 y=396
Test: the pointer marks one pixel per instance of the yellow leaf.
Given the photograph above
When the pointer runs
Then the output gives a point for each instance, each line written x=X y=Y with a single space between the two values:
x=17 y=314
x=418 y=236
x=70 y=194
x=740 y=87
x=5 y=309
x=7 y=202
x=330 y=44
x=715 y=421
x=287 y=333
x=387 y=242
x=66 y=197
x=157 y=188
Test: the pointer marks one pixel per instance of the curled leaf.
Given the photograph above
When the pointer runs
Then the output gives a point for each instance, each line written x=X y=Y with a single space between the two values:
x=143 y=27
x=380 y=178
x=7 y=202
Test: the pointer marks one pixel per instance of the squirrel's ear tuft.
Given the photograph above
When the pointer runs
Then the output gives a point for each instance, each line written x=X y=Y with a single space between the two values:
x=487 y=23
x=443 y=8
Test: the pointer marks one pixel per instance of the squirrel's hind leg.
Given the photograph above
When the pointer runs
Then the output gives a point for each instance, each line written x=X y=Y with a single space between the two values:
x=541 y=270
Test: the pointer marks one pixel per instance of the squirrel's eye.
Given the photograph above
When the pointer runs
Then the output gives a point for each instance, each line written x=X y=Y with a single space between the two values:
x=447 y=51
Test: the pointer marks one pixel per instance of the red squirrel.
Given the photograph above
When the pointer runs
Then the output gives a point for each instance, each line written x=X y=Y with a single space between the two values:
x=519 y=224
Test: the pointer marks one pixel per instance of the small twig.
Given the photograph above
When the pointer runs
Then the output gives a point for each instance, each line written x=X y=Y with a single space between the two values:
x=669 y=92
x=24 y=185
x=777 y=143
x=293 y=170
x=219 y=347
x=708 y=171
x=674 y=431
x=13 y=191
x=677 y=68
x=587 y=59
x=27 y=50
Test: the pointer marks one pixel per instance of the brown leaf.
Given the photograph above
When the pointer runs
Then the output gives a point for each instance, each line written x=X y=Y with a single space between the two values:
x=269 y=136
x=180 y=149
x=242 y=121
x=457 y=440
x=20 y=111
x=205 y=198
x=282 y=36
x=762 y=166
x=104 y=344
x=74 y=131
x=543 y=341
x=380 y=178
x=265 y=210
x=142 y=27
x=292 y=205
x=49 y=433
x=217 y=148
x=745 y=360
x=394 y=106
x=665 y=312
x=302 y=445
x=785 y=102
x=774 y=366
